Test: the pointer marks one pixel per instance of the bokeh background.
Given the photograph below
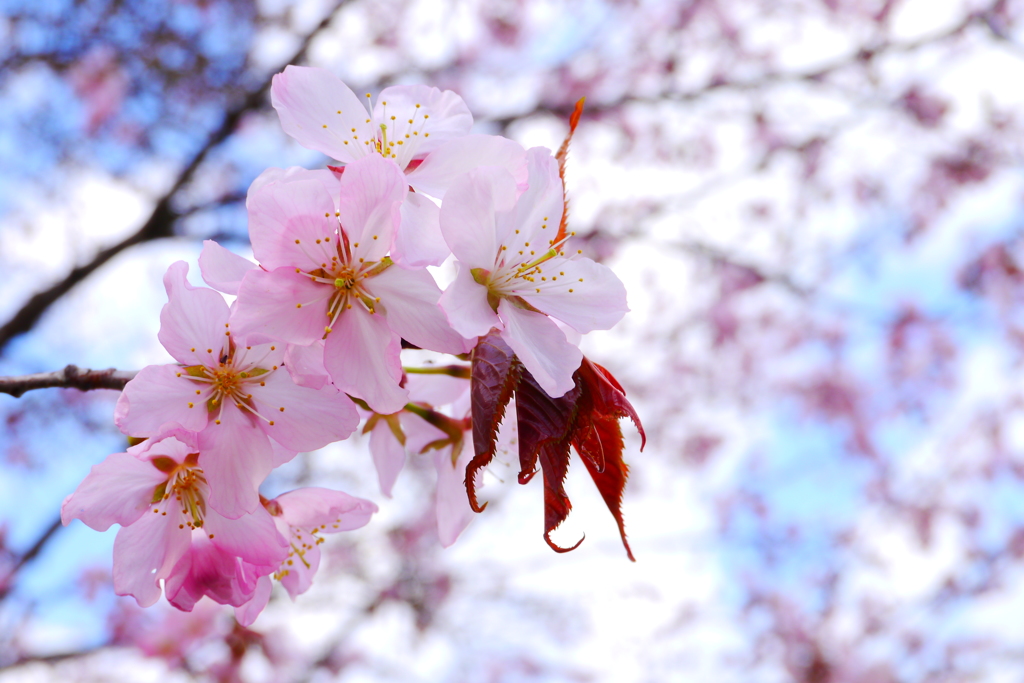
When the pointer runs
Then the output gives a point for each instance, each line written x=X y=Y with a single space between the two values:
x=817 y=207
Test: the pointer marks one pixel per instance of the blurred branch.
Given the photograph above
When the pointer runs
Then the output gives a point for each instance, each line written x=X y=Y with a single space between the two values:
x=7 y=581
x=161 y=221
x=52 y=659
x=71 y=377
x=865 y=54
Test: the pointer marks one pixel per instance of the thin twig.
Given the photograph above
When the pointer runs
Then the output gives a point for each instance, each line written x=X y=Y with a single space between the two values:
x=71 y=377
x=161 y=221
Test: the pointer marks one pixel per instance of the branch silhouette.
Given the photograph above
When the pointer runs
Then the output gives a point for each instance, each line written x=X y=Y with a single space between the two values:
x=161 y=220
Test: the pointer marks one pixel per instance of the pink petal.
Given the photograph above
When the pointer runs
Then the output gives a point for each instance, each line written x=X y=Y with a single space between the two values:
x=436 y=390
x=246 y=614
x=146 y=551
x=303 y=419
x=161 y=394
x=236 y=457
x=277 y=176
x=388 y=456
x=465 y=304
x=597 y=300
x=171 y=441
x=116 y=491
x=372 y=190
x=419 y=434
x=419 y=241
x=206 y=570
x=308 y=101
x=280 y=213
x=192 y=323
x=254 y=537
x=461 y=155
x=541 y=348
x=306 y=364
x=468 y=214
x=453 y=511
x=281 y=455
x=362 y=355
x=420 y=117
x=223 y=269
x=538 y=210
x=268 y=307
x=409 y=299
x=336 y=511
x=298 y=575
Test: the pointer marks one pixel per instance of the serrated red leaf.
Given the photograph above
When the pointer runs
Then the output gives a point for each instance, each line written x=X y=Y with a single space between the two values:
x=587 y=418
x=545 y=426
x=608 y=395
x=495 y=374
x=597 y=436
x=600 y=446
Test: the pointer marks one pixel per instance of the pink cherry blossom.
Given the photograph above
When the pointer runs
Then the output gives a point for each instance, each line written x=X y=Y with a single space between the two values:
x=159 y=495
x=328 y=277
x=303 y=516
x=394 y=436
x=423 y=130
x=513 y=274
x=208 y=570
x=233 y=395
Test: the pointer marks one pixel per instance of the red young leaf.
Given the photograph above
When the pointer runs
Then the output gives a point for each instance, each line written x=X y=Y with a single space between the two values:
x=597 y=436
x=545 y=425
x=495 y=373
x=587 y=417
x=561 y=155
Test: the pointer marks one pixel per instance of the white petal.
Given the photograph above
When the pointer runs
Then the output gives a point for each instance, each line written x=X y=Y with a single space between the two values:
x=362 y=355
x=468 y=214
x=235 y=457
x=293 y=223
x=453 y=511
x=372 y=190
x=223 y=269
x=160 y=394
x=419 y=241
x=597 y=299
x=421 y=118
x=446 y=163
x=320 y=111
x=268 y=308
x=538 y=210
x=192 y=321
x=388 y=456
x=541 y=348
x=465 y=304
x=409 y=299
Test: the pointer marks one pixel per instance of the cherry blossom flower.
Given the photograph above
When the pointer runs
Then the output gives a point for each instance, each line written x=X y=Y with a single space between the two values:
x=513 y=272
x=159 y=495
x=302 y=516
x=447 y=437
x=394 y=436
x=233 y=395
x=326 y=275
x=423 y=130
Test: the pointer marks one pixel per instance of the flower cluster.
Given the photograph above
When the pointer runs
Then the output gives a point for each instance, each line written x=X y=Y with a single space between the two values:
x=311 y=345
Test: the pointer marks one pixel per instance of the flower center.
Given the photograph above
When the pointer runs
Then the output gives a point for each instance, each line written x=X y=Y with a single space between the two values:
x=186 y=485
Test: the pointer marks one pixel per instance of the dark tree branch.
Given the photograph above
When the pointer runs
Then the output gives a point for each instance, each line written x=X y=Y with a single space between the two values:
x=161 y=221
x=71 y=377
x=7 y=580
